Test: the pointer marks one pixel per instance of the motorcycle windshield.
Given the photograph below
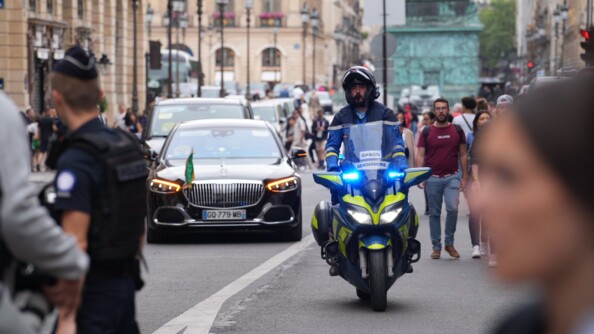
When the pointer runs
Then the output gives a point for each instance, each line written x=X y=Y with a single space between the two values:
x=369 y=148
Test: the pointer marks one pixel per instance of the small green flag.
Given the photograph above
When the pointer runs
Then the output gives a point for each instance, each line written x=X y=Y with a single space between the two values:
x=190 y=169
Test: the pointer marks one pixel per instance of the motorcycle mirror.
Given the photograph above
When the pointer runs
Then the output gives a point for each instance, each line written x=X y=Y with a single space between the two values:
x=330 y=180
x=414 y=176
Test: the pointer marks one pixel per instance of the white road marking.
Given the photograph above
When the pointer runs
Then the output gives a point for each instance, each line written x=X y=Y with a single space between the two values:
x=199 y=318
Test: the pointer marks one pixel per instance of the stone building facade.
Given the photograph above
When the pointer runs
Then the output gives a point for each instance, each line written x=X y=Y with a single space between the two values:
x=276 y=39
x=549 y=44
x=35 y=33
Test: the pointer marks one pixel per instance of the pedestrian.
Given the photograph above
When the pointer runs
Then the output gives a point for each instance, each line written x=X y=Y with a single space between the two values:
x=441 y=146
x=284 y=92
x=100 y=192
x=33 y=132
x=537 y=194
x=47 y=129
x=133 y=125
x=29 y=235
x=504 y=104
x=300 y=136
x=478 y=235
x=314 y=103
x=298 y=95
x=409 y=139
x=320 y=131
x=290 y=134
x=428 y=119
x=466 y=119
x=482 y=105
x=120 y=121
x=456 y=110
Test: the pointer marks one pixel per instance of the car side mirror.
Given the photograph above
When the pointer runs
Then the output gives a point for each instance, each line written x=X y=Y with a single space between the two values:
x=282 y=120
x=298 y=153
x=150 y=154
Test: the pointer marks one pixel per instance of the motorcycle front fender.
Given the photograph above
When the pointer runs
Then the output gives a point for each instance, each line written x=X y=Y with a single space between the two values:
x=375 y=242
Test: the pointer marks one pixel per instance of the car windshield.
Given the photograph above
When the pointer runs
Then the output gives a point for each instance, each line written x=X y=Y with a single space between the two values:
x=265 y=113
x=222 y=143
x=167 y=116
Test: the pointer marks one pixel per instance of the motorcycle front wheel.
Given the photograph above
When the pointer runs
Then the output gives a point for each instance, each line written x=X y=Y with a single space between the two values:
x=378 y=278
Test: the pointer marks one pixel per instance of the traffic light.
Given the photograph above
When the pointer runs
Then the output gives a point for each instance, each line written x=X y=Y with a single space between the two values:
x=530 y=66
x=588 y=46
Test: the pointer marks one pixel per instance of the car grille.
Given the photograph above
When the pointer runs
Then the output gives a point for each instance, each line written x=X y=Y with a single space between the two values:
x=225 y=195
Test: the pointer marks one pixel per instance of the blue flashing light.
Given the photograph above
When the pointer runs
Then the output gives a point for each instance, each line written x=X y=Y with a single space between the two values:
x=395 y=175
x=353 y=176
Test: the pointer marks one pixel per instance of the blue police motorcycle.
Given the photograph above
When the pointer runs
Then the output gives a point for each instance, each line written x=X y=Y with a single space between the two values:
x=368 y=236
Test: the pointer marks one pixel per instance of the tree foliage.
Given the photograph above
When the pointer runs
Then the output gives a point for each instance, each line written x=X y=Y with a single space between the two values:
x=497 y=38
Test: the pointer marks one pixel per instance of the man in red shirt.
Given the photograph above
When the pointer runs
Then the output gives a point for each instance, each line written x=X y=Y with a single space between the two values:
x=441 y=146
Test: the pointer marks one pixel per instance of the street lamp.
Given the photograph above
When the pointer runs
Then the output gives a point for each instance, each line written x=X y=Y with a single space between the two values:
x=167 y=22
x=304 y=21
x=182 y=22
x=150 y=14
x=199 y=12
x=275 y=36
x=104 y=64
x=249 y=5
x=315 y=23
x=222 y=4
x=556 y=20
x=135 y=62
x=563 y=9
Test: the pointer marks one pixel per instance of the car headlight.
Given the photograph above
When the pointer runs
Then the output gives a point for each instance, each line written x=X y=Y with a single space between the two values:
x=286 y=184
x=360 y=217
x=390 y=214
x=164 y=187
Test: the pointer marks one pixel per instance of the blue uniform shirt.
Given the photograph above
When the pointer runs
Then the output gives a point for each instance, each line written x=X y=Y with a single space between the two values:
x=346 y=116
x=79 y=173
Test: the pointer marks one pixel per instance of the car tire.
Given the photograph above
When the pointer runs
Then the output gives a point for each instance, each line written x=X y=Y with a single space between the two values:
x=294 y=233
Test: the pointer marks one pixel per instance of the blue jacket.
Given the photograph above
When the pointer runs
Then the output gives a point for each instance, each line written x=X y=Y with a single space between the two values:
x=376 y=112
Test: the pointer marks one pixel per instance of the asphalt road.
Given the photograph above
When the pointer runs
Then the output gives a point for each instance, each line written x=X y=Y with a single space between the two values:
x=298 y=296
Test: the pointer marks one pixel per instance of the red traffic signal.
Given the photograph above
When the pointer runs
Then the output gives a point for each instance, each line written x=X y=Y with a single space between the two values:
x=530 y=65
x=588 y=46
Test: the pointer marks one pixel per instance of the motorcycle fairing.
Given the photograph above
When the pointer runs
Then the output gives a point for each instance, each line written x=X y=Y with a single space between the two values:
x=375 y=242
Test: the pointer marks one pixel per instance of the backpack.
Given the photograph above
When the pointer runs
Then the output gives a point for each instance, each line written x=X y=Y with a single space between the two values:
x=118 y=218
x=426 y=134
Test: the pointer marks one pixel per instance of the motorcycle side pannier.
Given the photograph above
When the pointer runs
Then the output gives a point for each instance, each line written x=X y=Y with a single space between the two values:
x=321 y=222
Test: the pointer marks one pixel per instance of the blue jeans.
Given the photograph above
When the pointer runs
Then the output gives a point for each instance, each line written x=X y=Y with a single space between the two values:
x=438 y=189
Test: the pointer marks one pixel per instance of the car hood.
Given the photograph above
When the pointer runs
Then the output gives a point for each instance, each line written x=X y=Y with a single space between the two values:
x=155 y=143
x=266 y=169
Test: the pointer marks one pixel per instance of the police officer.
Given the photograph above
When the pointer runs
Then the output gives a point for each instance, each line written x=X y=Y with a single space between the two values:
x=99 y=197
x=361 y=94
x=28 y=234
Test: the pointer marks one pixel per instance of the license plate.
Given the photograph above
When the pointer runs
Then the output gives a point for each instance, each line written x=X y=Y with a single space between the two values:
x=223 y=215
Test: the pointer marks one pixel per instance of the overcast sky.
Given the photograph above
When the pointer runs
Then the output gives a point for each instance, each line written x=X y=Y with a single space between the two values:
x=374 y=9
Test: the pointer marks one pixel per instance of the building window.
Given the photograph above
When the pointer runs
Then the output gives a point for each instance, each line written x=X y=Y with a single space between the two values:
x=271 y=15
x=33 y=6
x=50 y=7
x=228 y=57
x=229 y=19
x=271 y=57
x=271 y=6
x=81 y=9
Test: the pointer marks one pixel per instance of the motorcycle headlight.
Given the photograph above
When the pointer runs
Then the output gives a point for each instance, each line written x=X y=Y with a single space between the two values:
x=286 y=184
x=360 y=217
x=164 y=187
x=390 y=214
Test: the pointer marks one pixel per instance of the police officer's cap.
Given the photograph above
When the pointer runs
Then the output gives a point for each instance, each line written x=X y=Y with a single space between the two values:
x=77 y=64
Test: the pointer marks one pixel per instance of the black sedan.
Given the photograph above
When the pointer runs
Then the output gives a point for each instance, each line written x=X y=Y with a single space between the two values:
x=242 y=179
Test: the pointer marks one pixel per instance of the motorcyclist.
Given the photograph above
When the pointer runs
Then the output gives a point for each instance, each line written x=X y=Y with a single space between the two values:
x=361 y=94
